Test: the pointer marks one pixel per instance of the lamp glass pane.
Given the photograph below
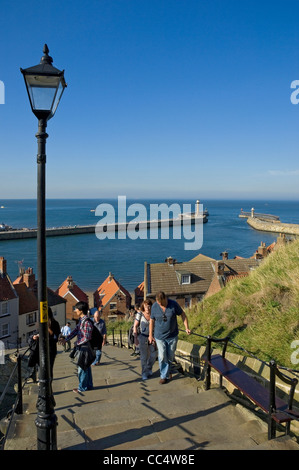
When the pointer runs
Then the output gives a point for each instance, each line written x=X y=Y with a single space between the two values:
x=42 y=91
x=57 y=97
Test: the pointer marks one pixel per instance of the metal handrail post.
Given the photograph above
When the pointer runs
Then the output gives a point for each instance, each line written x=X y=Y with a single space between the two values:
x=19 y=407
x=208 y=376
x=272 y=402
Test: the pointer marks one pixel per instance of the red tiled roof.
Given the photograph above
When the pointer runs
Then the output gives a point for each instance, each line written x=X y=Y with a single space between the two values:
x=271 y=247
x=75 y=290
x=28 y=279
x=139 y=291
x=27 y=300
x=107 y=290
x=6 y=288
x=236 y=276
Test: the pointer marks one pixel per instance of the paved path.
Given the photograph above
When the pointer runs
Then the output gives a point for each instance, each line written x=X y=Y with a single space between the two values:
x=125 y=413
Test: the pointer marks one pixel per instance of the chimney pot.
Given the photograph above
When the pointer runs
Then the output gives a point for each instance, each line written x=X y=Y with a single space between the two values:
x=220 y=268
x=29 y=278
x=262 y=249
x=224 y=255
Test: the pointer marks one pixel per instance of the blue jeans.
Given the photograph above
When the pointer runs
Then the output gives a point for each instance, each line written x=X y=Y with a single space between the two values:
x=148 y=355
x=85 y=379
x=98 y=356
x=166 y=349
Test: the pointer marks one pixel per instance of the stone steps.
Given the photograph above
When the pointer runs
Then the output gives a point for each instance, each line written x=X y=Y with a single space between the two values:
x=124 y=413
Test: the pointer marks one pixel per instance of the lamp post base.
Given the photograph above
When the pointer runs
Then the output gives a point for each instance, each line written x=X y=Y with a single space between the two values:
x=46 y=431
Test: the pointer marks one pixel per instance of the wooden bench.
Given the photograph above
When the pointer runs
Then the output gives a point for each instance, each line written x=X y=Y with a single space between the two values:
x=277 y=410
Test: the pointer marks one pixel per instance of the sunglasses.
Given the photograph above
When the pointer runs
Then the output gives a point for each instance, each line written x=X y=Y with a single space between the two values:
x=164 y=317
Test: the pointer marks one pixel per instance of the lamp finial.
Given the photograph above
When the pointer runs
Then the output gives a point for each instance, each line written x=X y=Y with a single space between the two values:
x=46 y=59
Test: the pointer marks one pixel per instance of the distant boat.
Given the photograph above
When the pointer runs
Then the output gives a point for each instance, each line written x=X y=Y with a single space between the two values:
x=206 y=212
x=92 y=210
x=2 y=207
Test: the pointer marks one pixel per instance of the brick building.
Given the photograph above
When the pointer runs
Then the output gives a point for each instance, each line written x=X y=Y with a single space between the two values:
x=188 y=282
x=9 y=308
x=112 y=298
x=72 y=294
x=26 y=287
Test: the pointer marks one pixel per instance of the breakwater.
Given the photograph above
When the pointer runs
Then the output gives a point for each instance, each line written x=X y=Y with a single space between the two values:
x=266 y=217
x=277 y=227
x=22 y=234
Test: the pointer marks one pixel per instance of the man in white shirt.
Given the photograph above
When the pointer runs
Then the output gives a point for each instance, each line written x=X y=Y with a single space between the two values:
x=65 y=331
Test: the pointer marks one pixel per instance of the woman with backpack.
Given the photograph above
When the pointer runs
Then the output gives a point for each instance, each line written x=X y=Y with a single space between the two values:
x=86 y=356
x=148 y=352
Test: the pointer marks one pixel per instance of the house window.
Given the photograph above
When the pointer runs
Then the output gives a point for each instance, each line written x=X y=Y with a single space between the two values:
x=31 y=318
x=187 y=302
x=4 y=310
x=186 y=279
x=112 y=305
x=4 y=330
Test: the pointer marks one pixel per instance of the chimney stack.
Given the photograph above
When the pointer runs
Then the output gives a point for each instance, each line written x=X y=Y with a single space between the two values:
x=29 y=278
x=224 y=255
x=2 y=265
x=220 y=268
x=70 y=282
x=281 y=239
x=262 y=250
x=110 y=277
x=170 y=261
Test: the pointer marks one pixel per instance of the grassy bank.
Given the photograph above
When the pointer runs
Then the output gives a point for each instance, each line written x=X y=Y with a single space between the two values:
x=259 y=312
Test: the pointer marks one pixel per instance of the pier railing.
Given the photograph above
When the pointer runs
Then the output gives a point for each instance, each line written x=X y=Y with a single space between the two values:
x=257 y=215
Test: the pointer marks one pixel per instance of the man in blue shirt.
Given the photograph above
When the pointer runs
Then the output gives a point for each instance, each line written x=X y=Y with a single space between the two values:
x=164 y=328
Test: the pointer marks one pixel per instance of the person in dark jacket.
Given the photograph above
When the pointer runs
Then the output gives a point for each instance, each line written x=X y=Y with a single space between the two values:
x=54 y=333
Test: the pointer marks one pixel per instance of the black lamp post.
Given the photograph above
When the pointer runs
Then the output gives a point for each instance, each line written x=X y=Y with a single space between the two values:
x=45 y=85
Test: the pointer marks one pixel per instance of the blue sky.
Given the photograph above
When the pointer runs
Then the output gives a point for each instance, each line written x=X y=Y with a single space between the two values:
x=166 y=98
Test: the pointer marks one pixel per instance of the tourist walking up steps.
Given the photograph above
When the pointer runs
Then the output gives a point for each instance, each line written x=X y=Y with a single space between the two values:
x=100 y=324
x=83 y=331
x=164 y=328
x=148 y=352
x=131 y=341
x=65 y=331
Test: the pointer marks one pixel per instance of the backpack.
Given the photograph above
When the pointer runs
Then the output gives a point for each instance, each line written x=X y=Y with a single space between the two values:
x=96 y=337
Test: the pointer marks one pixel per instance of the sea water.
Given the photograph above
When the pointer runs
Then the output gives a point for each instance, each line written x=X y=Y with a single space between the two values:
x=89 y=260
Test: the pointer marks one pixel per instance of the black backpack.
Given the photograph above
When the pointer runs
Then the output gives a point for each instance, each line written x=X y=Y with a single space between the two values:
x=96 y=337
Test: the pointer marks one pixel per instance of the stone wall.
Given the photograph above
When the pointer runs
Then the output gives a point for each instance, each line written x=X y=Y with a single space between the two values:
x=288 y=229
